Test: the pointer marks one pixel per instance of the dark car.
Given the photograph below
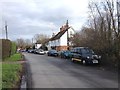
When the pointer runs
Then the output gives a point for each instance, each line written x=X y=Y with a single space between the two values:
x=52 y=53
x=66 y=54
x=85 y=56
x=30 y=51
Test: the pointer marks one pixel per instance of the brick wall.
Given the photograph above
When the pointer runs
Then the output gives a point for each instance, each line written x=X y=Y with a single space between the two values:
x=59 y=48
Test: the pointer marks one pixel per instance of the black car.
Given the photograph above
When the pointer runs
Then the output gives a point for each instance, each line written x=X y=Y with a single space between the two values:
x=52 y=53
x=85 y=55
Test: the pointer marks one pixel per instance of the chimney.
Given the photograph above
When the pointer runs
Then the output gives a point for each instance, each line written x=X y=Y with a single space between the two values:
x=53 y=34
x=61 y=29
x=64 y=27
x=67 y=24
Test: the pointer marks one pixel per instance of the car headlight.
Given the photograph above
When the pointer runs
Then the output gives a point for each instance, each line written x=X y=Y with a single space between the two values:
x=96 y=56
x=99 y=57
x=88 y=57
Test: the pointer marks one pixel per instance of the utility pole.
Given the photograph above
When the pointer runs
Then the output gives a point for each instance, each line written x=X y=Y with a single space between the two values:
x=67 y=26
x=32 y=40
x=6 y=28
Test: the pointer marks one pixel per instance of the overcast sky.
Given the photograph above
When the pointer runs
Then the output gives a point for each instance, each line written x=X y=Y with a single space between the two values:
x=25 y=18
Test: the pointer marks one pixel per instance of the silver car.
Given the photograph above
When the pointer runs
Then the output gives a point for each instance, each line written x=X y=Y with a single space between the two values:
x=40 y=51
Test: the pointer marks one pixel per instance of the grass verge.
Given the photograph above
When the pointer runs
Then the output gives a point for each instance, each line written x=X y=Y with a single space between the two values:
x=0 y=75
x=11 y=72
x=10 y=75
x=14 y=57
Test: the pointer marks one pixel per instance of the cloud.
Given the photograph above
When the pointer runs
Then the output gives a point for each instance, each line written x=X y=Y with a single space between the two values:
x=26 y=18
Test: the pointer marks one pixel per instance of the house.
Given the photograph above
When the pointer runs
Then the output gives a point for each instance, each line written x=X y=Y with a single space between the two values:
x=37 y=45
x=60 y=41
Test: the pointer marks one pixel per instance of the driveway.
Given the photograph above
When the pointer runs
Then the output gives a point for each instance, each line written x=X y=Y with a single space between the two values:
x=52 y=72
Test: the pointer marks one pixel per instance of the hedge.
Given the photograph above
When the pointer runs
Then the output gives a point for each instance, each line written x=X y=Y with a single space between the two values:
x=0 y=49
x=6 y=48
x=13 y=48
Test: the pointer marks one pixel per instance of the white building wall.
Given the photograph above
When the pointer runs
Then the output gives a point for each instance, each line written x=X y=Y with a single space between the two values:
x=57 y=42
x=37 y=46
x=71 y=32
x=52 y=43
x=49 y=45
x=63 y=39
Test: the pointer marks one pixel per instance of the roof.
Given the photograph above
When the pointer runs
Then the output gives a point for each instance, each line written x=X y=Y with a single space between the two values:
x=58 y=35
x=63 y=29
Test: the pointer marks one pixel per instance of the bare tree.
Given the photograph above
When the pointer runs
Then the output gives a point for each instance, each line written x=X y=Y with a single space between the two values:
x=20 y=43
x=102 y=34
x=28 y=43
x=23 y=43
x=75 y=40
x=41 y=38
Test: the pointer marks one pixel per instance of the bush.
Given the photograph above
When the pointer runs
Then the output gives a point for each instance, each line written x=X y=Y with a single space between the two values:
x=13 y=48
x=0 y=49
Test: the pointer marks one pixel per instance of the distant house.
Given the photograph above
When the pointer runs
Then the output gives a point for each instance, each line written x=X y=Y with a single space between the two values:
x=37 y=45
x=60 y=41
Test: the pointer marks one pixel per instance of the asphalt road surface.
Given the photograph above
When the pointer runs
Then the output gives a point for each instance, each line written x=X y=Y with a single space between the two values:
x=52 y=72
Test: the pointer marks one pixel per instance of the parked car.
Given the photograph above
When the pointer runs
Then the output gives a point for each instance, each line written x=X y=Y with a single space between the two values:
x=60 y=52
x=52 y=53
x=46 y=52
x=66 y=54
x=40 y=51
x=23 y=50
x=85 y=56
x=30 y=51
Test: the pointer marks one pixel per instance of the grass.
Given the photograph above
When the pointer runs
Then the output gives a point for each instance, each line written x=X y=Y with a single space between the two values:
x=10 y=75
x=0 y=76
x=14 y=57
x=11 y=71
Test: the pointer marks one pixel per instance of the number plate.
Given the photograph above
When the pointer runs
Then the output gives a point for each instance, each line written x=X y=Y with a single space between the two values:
x=95 y=61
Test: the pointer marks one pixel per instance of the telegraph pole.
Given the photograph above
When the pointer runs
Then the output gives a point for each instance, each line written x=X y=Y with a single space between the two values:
x=32 y=40
x=67 y=26
x=6 y=28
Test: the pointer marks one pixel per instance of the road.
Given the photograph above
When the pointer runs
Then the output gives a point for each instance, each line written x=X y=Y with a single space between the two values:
x=52 y=72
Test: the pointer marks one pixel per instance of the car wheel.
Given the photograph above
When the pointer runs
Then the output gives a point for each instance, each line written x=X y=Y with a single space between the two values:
x=64 y=57
x=72 y=60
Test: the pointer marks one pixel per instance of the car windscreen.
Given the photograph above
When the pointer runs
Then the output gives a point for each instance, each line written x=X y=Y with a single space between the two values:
x=41 y=50
x=68 y=52
x=87 y=51
x=54 y=51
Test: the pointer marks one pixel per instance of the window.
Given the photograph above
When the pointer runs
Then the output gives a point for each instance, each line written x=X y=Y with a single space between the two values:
x=78 y=50
x=58 y=40
x=87 y=51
